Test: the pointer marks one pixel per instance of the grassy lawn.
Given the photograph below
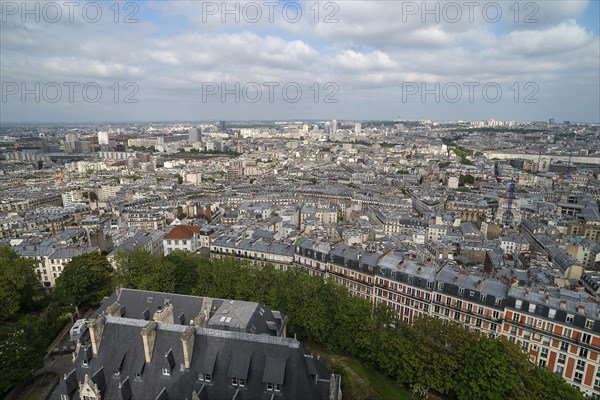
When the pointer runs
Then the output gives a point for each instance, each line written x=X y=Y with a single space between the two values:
x=359 y=381
x=387 y=388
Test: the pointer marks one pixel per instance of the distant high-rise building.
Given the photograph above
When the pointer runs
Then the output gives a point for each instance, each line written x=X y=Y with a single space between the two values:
x=70 y=139
x=222 y=126
x=357 y=128
x=102 y=138
x=195 y=135
x=333 y=126
x=327 y=128
x=551 y=121
x=235 y=170
x=566 y=123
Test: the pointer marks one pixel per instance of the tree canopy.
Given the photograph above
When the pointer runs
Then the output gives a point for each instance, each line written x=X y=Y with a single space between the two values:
x=18 y=283
x=85 y=280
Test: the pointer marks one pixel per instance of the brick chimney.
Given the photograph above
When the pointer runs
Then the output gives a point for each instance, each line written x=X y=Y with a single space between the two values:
x=96 y=328
x=164 y=314
x=148 y=337
x=187 y=341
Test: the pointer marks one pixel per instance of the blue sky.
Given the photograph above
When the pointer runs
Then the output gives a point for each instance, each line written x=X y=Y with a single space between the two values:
x=362 y=67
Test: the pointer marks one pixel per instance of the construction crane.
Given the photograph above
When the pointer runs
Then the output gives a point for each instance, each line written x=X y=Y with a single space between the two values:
x=510 y=194
x=511 y=197
x=570 y=163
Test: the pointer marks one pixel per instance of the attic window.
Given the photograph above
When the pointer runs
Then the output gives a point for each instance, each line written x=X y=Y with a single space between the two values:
x=273 y=387
x=238 y=382
x=166 y=372
x=167 y=302
x=149 y=300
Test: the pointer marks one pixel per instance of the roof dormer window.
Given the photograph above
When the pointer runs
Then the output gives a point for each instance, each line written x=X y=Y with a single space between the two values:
x=273 y=387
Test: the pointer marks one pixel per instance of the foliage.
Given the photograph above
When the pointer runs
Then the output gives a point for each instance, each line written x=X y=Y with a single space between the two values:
x=18 y=356
x=487 y=373
x=466 y=179
x=175 y=273
x=179 y=179
x=142 y=148
x=18 y=283
x=34 y=320
x=444 y=164
x=85 y=280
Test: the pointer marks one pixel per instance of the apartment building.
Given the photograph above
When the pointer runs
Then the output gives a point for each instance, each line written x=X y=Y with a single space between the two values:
x=559 y=329
x=182 y=237
x=146 y=220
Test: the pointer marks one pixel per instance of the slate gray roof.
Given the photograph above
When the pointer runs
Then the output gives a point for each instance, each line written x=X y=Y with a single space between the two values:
x=245 y=316
x=121 y=372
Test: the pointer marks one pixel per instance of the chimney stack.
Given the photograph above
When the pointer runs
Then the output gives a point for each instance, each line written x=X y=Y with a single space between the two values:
x=148 y=337
x=114 y=310
x=96 y=328
x=164 y=314
x=187 y=341
x=203 y=316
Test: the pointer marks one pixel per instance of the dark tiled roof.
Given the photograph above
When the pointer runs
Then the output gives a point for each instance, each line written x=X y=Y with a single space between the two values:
x=257 y=358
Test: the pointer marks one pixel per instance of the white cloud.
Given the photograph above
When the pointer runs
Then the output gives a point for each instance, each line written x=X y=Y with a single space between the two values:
x=370 y=50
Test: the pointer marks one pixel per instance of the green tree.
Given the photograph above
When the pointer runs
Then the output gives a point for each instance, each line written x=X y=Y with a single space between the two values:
x=185 y=270
x=18 y=355
x=18 y=283
x=466 y=179
x=487 y=373
x=138 y=269
x=85 y=280
x=179 y=179
x=437 y=351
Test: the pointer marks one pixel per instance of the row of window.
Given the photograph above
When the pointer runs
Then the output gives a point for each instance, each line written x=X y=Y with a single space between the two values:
x=549 y=326
x=176 y=242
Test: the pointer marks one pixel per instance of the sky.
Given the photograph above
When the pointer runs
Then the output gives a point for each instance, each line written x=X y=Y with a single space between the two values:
x=86 y=61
